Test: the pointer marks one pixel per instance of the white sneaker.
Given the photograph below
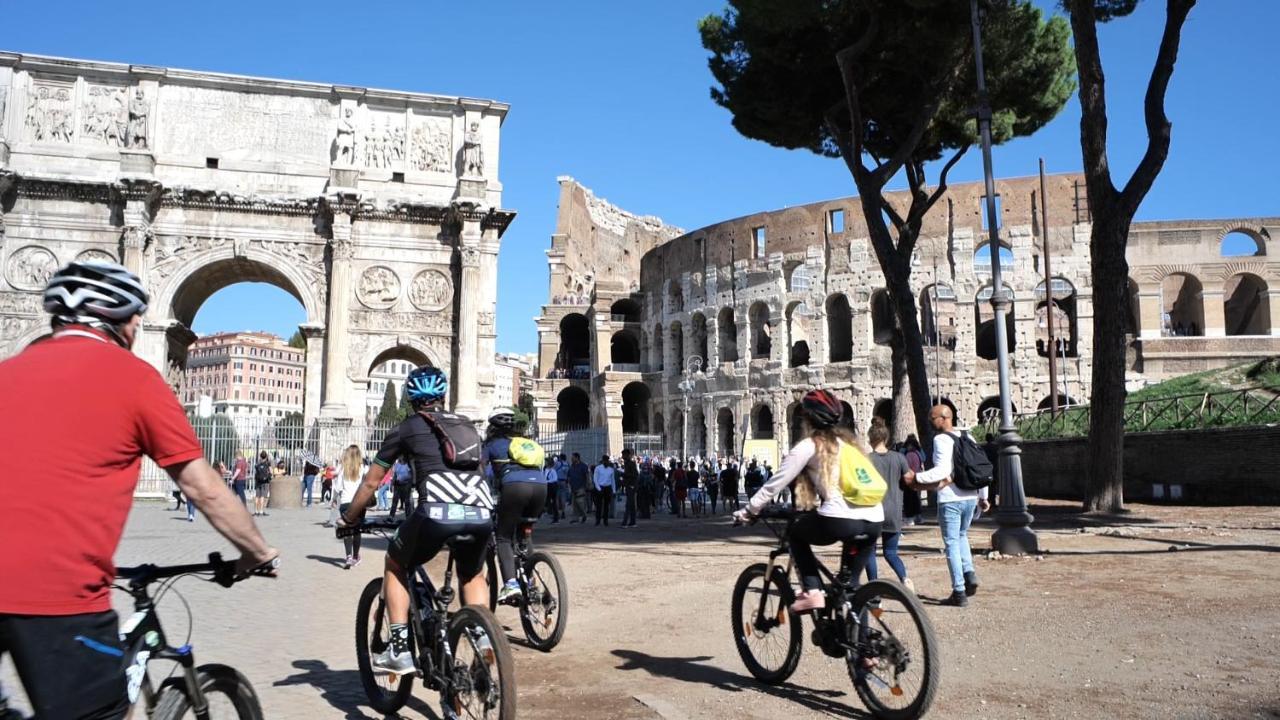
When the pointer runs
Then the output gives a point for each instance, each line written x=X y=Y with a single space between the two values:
x=390 y=662
x=509 y=591
x=909 y=585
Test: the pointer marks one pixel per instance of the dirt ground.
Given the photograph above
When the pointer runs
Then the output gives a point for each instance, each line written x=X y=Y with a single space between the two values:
x=1165 y=612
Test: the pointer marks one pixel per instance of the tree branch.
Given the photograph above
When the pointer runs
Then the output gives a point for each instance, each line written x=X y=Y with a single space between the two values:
x=1159 y=129
x=942 y=180
x=1093 y=100
x=898 y=222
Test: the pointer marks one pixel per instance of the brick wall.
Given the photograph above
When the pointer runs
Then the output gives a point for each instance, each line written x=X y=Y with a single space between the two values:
x=1218 y=466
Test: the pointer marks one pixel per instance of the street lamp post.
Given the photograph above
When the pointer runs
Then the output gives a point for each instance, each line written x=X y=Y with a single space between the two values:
x=1015 y=535
x=692 y=366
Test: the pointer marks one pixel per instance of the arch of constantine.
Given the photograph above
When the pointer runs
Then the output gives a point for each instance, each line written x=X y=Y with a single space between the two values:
x=713 y=335
x=380 y=211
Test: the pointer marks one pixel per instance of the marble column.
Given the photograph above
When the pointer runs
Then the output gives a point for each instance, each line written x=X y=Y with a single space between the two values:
x=340 y=291
x=1271 y=299
x=465 y=380
x=1215 y=321
x=314 y=335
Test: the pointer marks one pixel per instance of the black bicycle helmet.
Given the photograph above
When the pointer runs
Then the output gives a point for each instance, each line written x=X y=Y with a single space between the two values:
x=93 y=293
x=822 y=408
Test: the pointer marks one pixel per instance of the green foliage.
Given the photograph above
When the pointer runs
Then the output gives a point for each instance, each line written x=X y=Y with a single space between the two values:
x=297 y=340
x=389 y=413
x=778 y=74
x=405 y=408
x=218 y=437
x=290 y=431
x=522 y=419
x=1105 y=10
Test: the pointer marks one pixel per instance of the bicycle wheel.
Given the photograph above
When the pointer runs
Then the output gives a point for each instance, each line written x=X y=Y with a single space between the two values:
x=768 y=637
x=493 y=576
x=483 y=681
x=546 y=608
x=228 y=693
x=387 y=693
x=897 y=666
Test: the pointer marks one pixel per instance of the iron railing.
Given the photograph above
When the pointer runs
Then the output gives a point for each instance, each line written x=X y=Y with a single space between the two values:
x=1230 y=408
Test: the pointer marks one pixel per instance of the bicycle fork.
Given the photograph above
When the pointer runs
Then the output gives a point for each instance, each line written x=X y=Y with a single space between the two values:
x=780 y=618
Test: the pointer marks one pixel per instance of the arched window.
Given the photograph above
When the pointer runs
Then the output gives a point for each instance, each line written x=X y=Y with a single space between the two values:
x=575 y=343
x=762 y=423
x=728 y=335
x=675 y=297
x=658 y=360
x=1246 y=305
x=1242 y=243
x=982 y=260
x=799 y=279
x=882 y=320
x=700 y=336
x=938 y=316
x=677 y=347
x=985 y=325
x=1182 y=306
x=839 y=329
x=798 y=334
x=573 y=409
x=1063 y=307
x=624 y=348
x=727 y=437
x=761 y=332
x=635 y=408
x=625 y=310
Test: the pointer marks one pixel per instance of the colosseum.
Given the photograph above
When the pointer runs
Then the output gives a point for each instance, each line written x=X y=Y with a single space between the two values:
x=697 y=340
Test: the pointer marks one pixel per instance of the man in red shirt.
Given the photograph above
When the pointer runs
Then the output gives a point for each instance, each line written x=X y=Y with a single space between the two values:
x=80 y=411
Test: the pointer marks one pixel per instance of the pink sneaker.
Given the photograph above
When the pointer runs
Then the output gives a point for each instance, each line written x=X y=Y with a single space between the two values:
x=808 y=601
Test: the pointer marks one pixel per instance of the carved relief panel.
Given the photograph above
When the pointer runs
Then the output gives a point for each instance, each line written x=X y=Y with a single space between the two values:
x=50 y=112
x=431 y=290
x=432 y=144
x=105 y=115
x=30 y=268
x=379 y=287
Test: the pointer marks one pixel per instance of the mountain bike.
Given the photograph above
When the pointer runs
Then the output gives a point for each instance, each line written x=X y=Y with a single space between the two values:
x=463 y=654
x=544 y=593
x=203 y=692
x=879 y=629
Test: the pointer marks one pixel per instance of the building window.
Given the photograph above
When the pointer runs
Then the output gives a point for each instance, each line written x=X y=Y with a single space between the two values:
x=837 y=221
x=758 y=241
x=986 y=221
x=211 y=163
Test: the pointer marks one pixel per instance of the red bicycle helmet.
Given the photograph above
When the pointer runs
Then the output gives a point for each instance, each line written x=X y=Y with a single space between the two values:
x=822 y=408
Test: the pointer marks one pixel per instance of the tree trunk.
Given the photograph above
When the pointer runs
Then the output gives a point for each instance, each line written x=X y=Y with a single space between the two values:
x=904 y=419
x=1105 y=491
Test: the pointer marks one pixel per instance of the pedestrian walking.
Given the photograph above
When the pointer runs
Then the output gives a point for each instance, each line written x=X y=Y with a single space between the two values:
x=679 y=488
x=384 y=489
x=659 y=475
x=309 y=471
x=603 y=483
x=261 y=483
x=553 y=497
x=401 y=488
x=345 y=484
x=240 y=477
x=901 y=481
x=579 y=480
x=956 y=507
x=630 y=486
x=644 y=496
x=326 y=483
x=912 y=504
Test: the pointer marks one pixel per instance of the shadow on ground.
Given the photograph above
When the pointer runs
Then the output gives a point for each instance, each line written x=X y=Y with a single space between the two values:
x=342 y=690
x=695 y=670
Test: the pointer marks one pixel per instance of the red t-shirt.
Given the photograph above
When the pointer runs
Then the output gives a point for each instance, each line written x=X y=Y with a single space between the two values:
x=79 y=412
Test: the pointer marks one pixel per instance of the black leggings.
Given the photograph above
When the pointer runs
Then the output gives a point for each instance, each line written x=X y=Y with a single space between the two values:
x=810 y=528
x=519 y=500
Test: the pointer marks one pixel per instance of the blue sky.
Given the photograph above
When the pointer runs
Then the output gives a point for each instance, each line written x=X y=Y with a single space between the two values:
x=616 y=95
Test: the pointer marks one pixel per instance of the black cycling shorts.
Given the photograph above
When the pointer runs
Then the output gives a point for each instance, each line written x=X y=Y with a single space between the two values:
x=72 y=666
x=427 y=528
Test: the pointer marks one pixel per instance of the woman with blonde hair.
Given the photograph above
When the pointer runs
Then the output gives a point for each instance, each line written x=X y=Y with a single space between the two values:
x=824 y=516
x=344 y=491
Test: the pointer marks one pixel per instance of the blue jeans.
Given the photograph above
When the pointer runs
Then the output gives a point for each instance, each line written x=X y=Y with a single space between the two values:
x=191 y=511
x=383 y=502
x=890 y=540
x=954 y=518
x=307 y=482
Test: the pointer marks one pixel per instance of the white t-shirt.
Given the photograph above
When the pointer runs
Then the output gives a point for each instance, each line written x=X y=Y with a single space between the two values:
x=944 y=447
x=802 y=461
x=344 y=489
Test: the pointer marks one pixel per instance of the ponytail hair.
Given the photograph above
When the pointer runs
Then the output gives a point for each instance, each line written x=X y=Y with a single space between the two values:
x=879 y=432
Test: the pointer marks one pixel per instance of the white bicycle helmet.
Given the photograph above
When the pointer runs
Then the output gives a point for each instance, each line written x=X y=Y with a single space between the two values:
x=94 y=293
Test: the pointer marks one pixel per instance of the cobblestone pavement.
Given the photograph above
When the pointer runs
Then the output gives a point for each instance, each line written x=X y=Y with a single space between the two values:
x=1109 y=624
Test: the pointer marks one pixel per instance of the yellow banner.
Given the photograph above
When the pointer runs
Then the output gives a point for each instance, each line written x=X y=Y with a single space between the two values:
x=762 y=451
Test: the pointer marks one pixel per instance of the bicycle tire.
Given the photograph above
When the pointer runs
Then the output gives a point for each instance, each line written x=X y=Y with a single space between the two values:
x=503 y=661
x=214 y=679
x=531 y=624
x=493 y=577
x=380 y=698
x=932 y=674
x=792 y=622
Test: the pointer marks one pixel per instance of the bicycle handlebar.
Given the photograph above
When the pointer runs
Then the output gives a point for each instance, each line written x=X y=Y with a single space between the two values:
x=224 y=571
x=378 y=525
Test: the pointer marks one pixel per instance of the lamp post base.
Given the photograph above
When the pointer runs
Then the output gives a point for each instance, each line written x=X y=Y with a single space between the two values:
x=1015 y=540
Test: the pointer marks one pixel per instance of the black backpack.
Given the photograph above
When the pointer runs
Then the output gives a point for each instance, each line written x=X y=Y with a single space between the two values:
x=971 y=469
x=460 y=442
x=262 y=472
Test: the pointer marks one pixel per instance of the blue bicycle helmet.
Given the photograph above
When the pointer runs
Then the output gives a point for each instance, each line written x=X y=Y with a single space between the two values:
x=426 y=384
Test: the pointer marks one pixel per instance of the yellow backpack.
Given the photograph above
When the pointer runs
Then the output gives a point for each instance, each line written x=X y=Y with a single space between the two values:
x=526 y=453
x=860 y=482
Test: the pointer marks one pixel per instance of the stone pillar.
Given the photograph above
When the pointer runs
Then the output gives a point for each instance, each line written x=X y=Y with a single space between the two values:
x=487 y=319
x=335 y=348
x=314 y=380
x=464 y=377
x=1150 y=312
x=1215 y=321
x=1272 y=299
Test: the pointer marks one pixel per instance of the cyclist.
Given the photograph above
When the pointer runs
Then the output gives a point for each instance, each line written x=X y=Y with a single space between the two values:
x=825 y=517
x=442 y=451
x=84 y=410
x=523 y=494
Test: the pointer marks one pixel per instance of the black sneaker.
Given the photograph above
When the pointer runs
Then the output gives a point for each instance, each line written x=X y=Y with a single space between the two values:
x=971 y=583
x=956 y=599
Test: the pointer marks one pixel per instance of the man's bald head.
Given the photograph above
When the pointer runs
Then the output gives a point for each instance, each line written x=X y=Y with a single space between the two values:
x=941 y=417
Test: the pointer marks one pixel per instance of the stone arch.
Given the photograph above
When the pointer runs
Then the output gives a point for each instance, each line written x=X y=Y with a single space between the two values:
x=1064 y=400
x=761 y=332
x=402 y=347
x=197 y=279
x=658 y=360
x=847 y=417
x=762 y=422
x=987 y=407
x=698 y=321
x=839 y=329
x=1246 y=305
x=635 y=408
x=659 y=427
x=795 y=423
x=944 y=400
x=883 y=409
x=985 y=324
x=938 y=316
x=1133 y=316
x=624 y=348
x=573 y=409
x=1240 y=240
x=882 y=319
x=677 y=346
x=575 y=342
x=982 y=259
x=675 y=296
x=799 y=278
x=798 y=334
x=728 y=335
x=726 y=435
x=697 y=431
x=625 y=310
x=1065 y=324
x=1181 y=305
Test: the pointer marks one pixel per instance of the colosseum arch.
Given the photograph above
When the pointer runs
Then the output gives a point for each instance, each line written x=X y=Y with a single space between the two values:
x=677 y=347
x=728 y=335
x=699 y=336
x=726 y=434
x=697 y=431
x=989 y=408
x=799 y=278
x=676 y=432
x=1133 y=316
x=573 y=409
x=1182 y=305
x=1242 y=241
x=658 y=360
x=761 y=331
x=624 y=348
x=625 y=310
x=1246 y=305
x=762 y=422
x=1065 y=325
x=985 y=324
x=675 y=297
x=938 y=315
x=839 y=329
x=575 y=342
x=798 y=334
x=883 y=409
x=635 y=408
x=795 y=423
x=882 y=319
x=1064 y=400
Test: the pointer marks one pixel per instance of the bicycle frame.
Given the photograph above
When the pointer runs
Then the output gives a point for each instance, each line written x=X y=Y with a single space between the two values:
x=144 y=641
x=434 y=653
